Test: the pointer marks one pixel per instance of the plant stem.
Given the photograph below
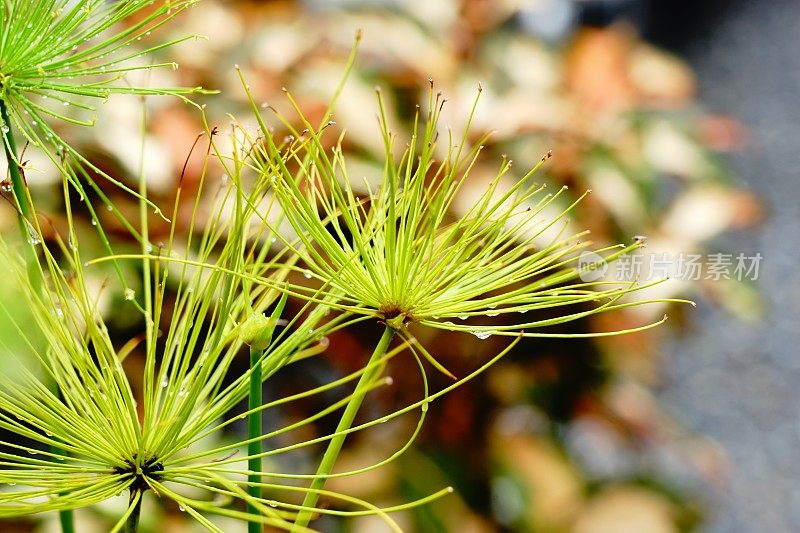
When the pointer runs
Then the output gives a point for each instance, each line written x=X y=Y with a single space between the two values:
x=11 y=149
x=254 y=422
x=19 y=188
x=24 y=214
x=67 y=521
x=132 y=524
x=66 y=518
x=335 y=444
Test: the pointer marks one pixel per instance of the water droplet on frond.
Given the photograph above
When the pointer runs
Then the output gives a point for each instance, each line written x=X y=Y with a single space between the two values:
x=482 y=334
x=33 y=235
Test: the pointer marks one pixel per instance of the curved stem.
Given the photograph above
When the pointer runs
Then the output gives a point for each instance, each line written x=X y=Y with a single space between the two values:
x=335 y=444
x=25 y=212
x=254 y=422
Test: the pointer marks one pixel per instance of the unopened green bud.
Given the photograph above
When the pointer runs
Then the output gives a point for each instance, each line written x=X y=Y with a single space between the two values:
x=257 y=332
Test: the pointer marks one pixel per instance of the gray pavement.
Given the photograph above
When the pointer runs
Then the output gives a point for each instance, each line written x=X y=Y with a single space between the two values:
x=740 y=383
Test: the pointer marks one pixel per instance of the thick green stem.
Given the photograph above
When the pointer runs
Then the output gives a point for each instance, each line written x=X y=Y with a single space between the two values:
x=253 y=434
x=66 y=518
x=25 y=212
x=335 y=445
x=67 y=521
x=10 y=147
x=20 y=190
x=132 y=524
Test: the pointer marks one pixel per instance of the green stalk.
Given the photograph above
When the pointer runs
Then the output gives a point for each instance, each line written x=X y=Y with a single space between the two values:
x=19 y=188
x=16 y=178
x=132 y=524
x=24 y=214
x=335 y=444
x=66 y=518
x=253 y=433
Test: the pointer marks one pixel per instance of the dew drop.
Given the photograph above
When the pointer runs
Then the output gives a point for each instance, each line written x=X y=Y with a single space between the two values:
x=164 y=383
x=482 y=334
x=182 y=508
x=6 y=186
x=4 y=127
x=492 y=314
x=307 y=274
x=33 y=235
x=130 y=294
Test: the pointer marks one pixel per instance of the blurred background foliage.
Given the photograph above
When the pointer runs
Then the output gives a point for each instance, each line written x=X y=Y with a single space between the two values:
x=561 y=435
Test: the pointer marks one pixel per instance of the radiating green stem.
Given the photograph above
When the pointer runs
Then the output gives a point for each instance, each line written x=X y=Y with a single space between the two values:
x=132 y=524
x=254 y=432
x=25 y=213
x=335 y=444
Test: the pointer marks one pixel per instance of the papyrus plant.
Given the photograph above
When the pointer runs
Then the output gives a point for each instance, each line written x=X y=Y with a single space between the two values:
x=58 y=59
x=112 y=443
x=203 y=304
x=395 y=253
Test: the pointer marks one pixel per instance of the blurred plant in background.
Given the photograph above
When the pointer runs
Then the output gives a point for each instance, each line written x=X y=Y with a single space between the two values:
x=556 y=436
